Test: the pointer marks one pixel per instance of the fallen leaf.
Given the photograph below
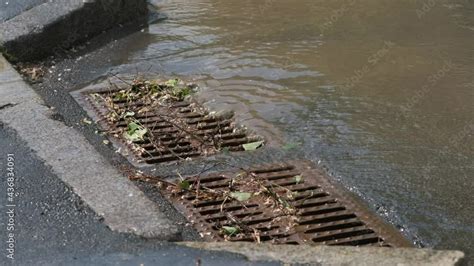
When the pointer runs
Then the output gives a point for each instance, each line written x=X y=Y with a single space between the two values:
x=241 y=196
x=132 y=126
x=230 y=230
x=253 y=145
x=172 y=82
x=298 y=179
x=134 y=132
x=185 y=185
x=129 y=114
x=86 y=121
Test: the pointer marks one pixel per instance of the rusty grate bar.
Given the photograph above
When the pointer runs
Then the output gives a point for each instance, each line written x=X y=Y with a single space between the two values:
x=180 y=130
x=325 y=213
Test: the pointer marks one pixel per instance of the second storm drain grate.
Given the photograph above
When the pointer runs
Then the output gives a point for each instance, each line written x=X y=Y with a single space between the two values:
x=180 y=130
x=325 y=214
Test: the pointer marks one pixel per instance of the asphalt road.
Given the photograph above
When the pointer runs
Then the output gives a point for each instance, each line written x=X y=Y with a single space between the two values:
x=53 y=227
x=11 y=8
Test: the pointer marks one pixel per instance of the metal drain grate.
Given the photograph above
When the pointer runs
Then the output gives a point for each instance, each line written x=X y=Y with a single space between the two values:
x=180 y=130
x=325 y=214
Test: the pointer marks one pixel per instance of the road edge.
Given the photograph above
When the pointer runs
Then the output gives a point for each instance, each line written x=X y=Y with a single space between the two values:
x=76 y=162
x=334 y=255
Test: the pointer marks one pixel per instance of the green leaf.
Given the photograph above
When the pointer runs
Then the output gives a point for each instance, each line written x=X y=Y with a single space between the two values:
x=230 y=230
x=253 y=145
x=184 y=185
x=241 y=196
x=135 y=132
x=135 y=88
x=181 y=93
x=298 y=179
x=136 y=136
x=132 y=127
x=154 y=88
x=172 y=82
x=121 y=95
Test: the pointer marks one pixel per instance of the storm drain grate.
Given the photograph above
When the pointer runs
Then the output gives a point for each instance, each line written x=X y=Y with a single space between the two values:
x=179 y=130
x=320 y=212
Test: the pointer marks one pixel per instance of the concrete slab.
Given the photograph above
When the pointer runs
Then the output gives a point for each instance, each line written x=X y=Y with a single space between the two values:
x=333 y=255
x=56 y=24
x=10 y=9
x=110 y=194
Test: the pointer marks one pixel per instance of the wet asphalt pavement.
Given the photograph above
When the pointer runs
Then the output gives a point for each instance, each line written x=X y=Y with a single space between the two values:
x=53 y=227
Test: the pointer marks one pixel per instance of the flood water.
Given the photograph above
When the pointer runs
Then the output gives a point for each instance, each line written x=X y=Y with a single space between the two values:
x=381 y=92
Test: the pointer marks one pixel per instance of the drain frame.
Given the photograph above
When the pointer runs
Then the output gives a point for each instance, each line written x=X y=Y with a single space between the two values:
x=344 y=204
x=236 y=135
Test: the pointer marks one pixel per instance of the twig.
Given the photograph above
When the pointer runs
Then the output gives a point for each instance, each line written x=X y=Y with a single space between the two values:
x=152 y=137
x=223 y=202
x=181 y=128
x=119 y=78
x=147 y=178
x=241 y=224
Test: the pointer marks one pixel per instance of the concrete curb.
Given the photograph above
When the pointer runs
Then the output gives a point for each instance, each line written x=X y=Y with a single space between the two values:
x=333 y=255
x=111 y=195
x=57 y=25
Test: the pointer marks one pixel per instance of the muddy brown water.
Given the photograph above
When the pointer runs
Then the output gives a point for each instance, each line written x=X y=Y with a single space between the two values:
x=381 y=92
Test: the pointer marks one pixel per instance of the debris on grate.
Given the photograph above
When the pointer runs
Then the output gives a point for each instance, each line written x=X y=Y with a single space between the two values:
x=290 y=203
x=159 y=122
